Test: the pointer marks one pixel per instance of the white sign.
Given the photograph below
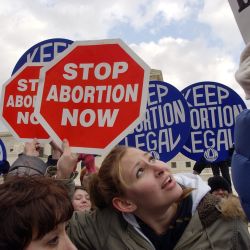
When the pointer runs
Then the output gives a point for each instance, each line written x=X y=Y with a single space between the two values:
x=241 y=10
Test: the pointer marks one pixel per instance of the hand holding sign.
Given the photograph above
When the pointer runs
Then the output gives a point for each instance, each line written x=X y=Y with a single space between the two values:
x=67 y=162
x=32 y=148
x=56 y=150
x=242 y=75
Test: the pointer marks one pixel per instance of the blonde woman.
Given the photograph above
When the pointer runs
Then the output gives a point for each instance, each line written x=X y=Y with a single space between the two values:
x=140 y=204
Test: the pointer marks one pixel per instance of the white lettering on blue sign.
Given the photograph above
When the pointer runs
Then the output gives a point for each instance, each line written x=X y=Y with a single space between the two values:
x=213 y=111
x=207 y=95
x=166 y=124
x=213 y=117
x=222 y=139
x=163 y=141
x=168 y=114
x=45 y=53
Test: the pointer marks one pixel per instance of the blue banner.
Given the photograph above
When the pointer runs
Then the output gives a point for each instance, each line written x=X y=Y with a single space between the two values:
x=3 y=155
x=44 y=51
x=166 y=126
x=213 y=110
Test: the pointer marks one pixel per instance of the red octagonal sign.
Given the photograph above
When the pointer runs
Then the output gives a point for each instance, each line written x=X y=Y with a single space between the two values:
x=93 y=94
x=17 y=104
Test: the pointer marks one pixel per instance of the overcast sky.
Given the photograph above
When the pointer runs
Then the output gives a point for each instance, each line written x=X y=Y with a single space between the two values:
x=188 y=40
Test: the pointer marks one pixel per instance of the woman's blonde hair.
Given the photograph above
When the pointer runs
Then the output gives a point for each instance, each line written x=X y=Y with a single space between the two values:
x=109 y=183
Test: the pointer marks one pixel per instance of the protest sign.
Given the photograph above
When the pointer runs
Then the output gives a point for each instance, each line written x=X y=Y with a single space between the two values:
x=93 y=94
x=17 y=104
x=166 y=125
x=213 y=110
x=43 y=52
x=3 y=154
x=241 y=11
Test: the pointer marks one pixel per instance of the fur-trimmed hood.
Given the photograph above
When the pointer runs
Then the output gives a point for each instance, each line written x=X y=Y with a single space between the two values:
x=212 y=207
x=231 y=208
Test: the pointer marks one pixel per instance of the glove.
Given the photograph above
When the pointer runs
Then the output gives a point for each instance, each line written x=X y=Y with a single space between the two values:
x=88 y=161
x=242 y=75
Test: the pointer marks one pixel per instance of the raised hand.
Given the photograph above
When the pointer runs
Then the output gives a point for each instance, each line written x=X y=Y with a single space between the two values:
x=32 y=148
x=56 y=150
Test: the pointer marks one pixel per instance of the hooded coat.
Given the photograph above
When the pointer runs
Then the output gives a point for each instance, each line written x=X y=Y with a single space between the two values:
x=214 y=225
x=241 y=159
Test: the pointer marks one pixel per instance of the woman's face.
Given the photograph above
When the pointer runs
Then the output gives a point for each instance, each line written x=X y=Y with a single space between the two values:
x=55 y=239
x=150 y=184
x=81 y=201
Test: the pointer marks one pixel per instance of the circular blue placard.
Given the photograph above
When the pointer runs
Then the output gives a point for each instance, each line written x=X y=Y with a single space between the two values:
x=213 y=109
x=3 y=155
x=44 y=51
x=166 y=126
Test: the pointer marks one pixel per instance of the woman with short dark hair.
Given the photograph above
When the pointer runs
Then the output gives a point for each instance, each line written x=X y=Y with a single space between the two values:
x=33 y=214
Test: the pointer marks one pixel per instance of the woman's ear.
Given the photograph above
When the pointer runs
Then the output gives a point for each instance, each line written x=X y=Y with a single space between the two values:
x=123 y=205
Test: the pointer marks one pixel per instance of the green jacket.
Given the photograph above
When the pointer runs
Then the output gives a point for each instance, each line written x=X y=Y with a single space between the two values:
x=208 y=229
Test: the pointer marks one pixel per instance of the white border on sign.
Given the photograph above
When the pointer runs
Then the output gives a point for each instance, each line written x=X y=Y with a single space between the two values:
x=144 y=98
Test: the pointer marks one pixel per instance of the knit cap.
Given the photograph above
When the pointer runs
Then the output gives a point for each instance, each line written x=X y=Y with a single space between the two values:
x=217 y=182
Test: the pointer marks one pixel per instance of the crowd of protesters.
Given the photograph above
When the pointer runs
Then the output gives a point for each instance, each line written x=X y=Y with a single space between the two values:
x=132 y=201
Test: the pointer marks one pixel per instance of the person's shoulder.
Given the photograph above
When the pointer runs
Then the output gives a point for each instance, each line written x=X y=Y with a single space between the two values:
x=207 y=209
x=97 y=216
x=102 y=222
x=28 y=165
x=212 y=208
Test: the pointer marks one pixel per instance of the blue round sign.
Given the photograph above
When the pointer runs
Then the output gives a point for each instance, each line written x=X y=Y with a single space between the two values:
x=44 y=51
x=166 y=126
x=3 y=155
x=213 y=110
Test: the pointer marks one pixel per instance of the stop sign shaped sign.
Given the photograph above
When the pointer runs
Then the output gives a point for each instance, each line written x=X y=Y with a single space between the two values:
x=93 y=94
x=17 y=104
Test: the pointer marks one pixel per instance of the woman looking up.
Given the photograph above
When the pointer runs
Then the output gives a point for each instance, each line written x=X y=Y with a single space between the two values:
x=140 y=204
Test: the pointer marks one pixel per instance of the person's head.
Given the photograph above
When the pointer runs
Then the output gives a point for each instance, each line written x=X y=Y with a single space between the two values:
x=81 y=200
x=219 y=186
x=33 y=214
x=131 y=180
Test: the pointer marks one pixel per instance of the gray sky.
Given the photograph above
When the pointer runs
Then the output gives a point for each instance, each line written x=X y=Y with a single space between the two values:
x=188 y=40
